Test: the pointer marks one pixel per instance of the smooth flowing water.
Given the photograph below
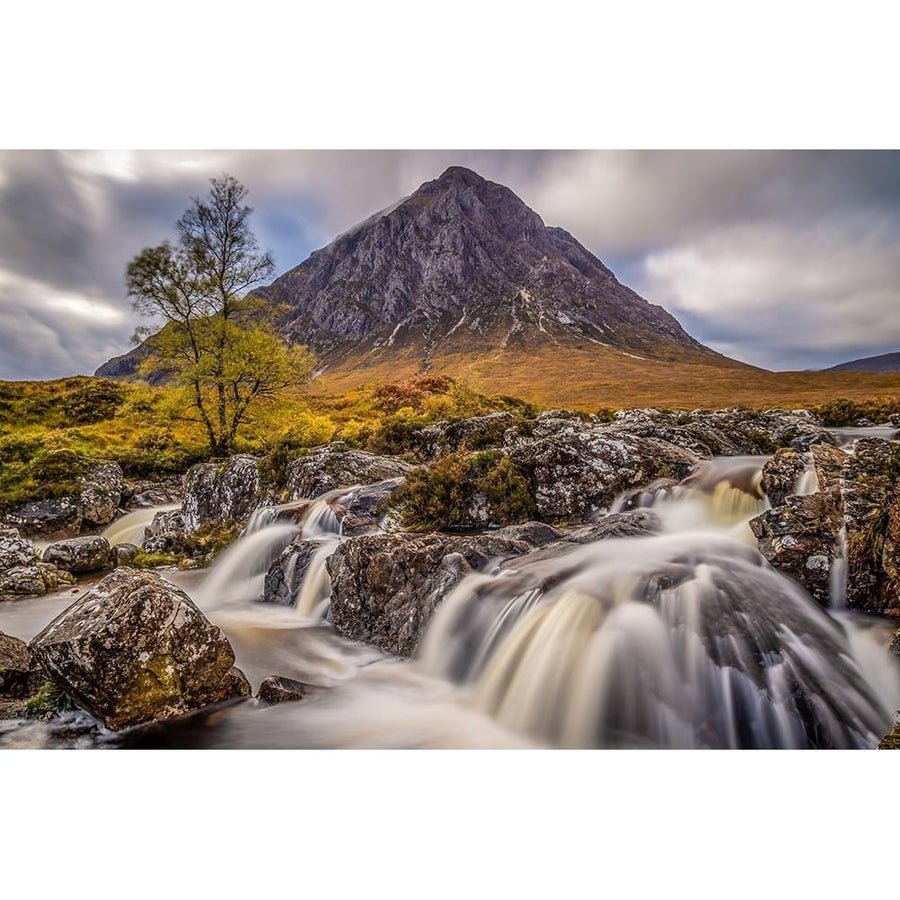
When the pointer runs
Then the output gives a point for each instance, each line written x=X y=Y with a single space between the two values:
x=682 y=639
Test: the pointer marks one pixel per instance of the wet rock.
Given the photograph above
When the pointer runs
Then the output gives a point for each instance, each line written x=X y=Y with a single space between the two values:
x=226 y=492
x=535 y=534
x=386 y=587
x=144 y=494
x=80 y=555
x=870 y=489
x=32 y=581
x=725 y=432
x=285 y=575
x=101 y=493
x=20 y=676
x=166 y=533
x=136 y=649
x=279 y=689
x=891 y=741
x=895 y=644
x=577 y=469
x=360 y=511
x=828 y=463
x=124 y=554
x=633 y=523
x=800 y=539
x=780 y=474
x=334 y=466
x=59 y=517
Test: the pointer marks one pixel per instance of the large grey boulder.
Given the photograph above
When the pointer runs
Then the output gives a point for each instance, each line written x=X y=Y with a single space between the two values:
x=31 y=581
x=101 y=493
x=15 y=550
x=334 y=466
x=58 y=517
x=80 y=555
x=385 y=587
x=800 y=539
x=226 y=492
x=137 y=649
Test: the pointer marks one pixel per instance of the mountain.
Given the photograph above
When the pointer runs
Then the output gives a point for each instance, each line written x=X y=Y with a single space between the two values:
x=887 y=362
x=464 y=266
x=463 y=278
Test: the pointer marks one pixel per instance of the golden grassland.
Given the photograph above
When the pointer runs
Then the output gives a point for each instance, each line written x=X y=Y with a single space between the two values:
x=590 y=378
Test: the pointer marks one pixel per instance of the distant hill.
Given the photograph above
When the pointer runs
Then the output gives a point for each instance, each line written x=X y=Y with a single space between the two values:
x=887 y=362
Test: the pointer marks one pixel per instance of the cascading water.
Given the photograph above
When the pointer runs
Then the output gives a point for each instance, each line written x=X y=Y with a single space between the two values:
x=132 y=527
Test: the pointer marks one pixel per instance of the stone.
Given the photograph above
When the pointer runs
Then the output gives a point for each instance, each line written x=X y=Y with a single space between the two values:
x=334 y=466
x=891 y=741
x=800 y=539
x=166 y=533
x=780 y=474
x=32 y=581
x=476 y=433
x=386 y=587
x=57 y=518
x=14 y=550
x=279 y=689
x=137 y=649
x=535 y=534
x=124 y=554
x=19 y=674
x=360 y=511
x=80 y=555
x=286 y=573
x=101 y=493
x=226 y=492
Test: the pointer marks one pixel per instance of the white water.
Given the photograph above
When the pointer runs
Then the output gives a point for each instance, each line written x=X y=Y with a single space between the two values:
x=132 y=527
x=685 y=639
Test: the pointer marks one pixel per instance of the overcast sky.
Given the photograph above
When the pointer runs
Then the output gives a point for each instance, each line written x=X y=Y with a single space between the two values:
x=783 y=259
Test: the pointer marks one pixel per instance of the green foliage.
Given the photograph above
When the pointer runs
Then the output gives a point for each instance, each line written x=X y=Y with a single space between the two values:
x=48 y=700
x=93 y=402
x=209 y=540
x=843 y=413
x=444 y=495
x=154 y=560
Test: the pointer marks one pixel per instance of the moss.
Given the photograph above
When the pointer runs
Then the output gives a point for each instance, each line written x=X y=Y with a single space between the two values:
x=153 y=560
x=48 y=700
x=210 y=539
x=443 y=496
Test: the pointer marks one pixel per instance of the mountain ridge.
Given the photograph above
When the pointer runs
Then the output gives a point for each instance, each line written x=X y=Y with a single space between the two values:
x=885 y=362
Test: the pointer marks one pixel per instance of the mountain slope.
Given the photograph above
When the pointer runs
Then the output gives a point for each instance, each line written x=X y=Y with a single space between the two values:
x=464 y=266
x=887 y=362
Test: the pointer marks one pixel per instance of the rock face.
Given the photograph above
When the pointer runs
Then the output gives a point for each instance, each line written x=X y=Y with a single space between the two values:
x=95 y=505
x=870 y=488
x=726 y=432
x=334 y=466
x=577 y=468
x=800 y=540
x=226 y=492
x=136 y=649
x=81 y=555
x=287 y=572
x=476 y=433
x=780 y=474
x=386 y=587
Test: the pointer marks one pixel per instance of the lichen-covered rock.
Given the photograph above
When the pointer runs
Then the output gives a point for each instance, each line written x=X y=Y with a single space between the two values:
x=34 y=580
x=19 y=674
x=101 y=493
x=334 y=466
x=226 y=492
x=891 y=741
x=535 y=534
x=780 y=474
x=143 y=494
x=59 y=517
x=725 y=432
x=386 y=587
x=577 y=469
x=360 y=510
x=124 y=554
x=476 y=433
x=870 y=490
x=166 y=533
x=136 y=649
x=279 y=689
x=800 y=539
x=895 y=644
x=80 y=555
x=15 y=550
x=828 y=463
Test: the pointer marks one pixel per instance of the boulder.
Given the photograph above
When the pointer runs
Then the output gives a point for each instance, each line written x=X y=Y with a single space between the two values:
x=535 y=534
x=136 y=649
x=143 y=494
x=19 y=674
x=279 y=689
x=15 y=551
x=360 y=510
x=334 y=466
x=632 y=523
x=101 y=493
x=577 y=469
x=385 y=587
x=32 y=581
x=800 y=539
x=124 y=554
x=828 y=463
x=59 y=517
x=166 y=533
x=287 y=572
x=80 y=555
x=780 y=474
x=226 y=492
x=870 y=489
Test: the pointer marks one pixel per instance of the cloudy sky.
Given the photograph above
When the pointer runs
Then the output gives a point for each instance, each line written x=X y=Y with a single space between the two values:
x=783 y=259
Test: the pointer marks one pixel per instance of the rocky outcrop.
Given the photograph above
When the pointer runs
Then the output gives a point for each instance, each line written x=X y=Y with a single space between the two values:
x=80 y=555
x=800 y=539
x=96 y=505
x=334 y=466
x=286 y=573
x=361 y=510
x=166 y=533
x=136 y=649
x=725 y=432
x=226 y=492
x=780 y=474
x=870 y=490
x=577 y=469
x=386 y=587
x=477 y=433
x=21 y=574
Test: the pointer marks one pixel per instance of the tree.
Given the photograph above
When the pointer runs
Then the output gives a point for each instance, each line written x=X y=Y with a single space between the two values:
x=218 y=343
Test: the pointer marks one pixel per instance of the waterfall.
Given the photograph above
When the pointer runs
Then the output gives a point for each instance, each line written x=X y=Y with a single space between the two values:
x=132 y=527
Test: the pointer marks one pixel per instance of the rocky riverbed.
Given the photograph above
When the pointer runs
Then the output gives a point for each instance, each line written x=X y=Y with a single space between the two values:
x=508 y=583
